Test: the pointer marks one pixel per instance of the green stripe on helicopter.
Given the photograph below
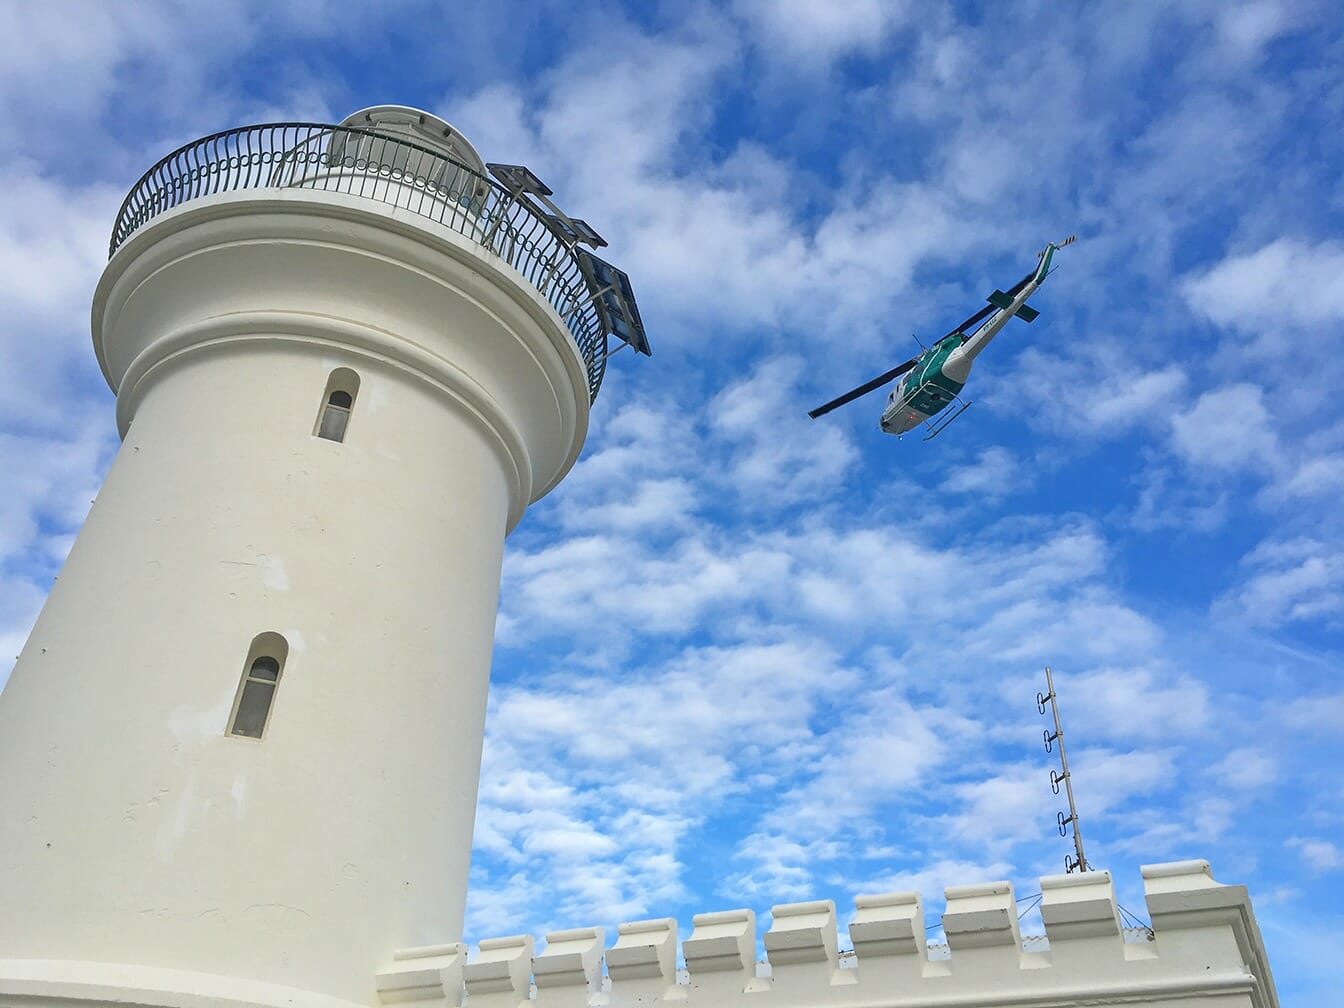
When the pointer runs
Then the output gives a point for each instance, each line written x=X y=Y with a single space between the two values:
x=1043 y=269
x=928 y=390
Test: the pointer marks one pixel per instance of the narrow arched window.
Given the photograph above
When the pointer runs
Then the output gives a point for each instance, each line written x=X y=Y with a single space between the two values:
x=338 y=401
x=335 y=416
x=256 y=691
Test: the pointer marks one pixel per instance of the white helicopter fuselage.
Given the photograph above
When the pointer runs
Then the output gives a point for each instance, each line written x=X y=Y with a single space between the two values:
x=926 y=385
x=940 y=372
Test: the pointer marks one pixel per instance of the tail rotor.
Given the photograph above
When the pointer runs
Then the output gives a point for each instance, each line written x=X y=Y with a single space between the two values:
x=1059 y=245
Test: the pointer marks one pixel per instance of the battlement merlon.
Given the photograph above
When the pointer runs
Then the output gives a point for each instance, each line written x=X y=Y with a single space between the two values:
x=1205 y=947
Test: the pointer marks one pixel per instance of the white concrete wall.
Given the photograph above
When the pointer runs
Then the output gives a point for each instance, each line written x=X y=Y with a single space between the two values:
x=1205 y=950
x=133 y=830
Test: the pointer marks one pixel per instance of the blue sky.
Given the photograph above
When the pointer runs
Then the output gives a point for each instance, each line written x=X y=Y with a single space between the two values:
x=747 y=658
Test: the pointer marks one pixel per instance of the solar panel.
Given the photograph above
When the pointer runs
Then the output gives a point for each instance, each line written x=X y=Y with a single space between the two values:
x=615 y=301
x=519 y=179
x=576 y=230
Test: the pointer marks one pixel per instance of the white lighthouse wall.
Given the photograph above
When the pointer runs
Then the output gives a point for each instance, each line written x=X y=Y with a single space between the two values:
x=348 y=826
x=379 y=278
x=138 y=832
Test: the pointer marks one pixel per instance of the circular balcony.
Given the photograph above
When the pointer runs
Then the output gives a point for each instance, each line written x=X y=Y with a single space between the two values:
x=388 y=170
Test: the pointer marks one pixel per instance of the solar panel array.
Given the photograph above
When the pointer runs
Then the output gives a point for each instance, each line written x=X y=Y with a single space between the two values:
x=615 y=301
x=608 y=287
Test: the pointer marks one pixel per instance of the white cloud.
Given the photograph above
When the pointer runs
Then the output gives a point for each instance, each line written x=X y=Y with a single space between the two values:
x=1287 y=283
x=995 y=595
x=627 y=585
x=677 y=730
x=1013 y=804
x=1320 y=855
x=53 y=242
x=1178 y=830
x=1246 y=769
x=1127 y=399
x=1293 y=580
x=1246 y=28
x=1103 y=394
x=1016 y=805
x=1320 y=477
x=1174 y=166
x=645 y=758
x=653 y=504
x=811 y=33
x=1169 y=500
x=718 y=237
x=780 y=456
x=1317 y=714
x=995 y=473
x=1109 y=780
x=871 y=756
x=71 y=57
x=1119 y=703
x=1226 y=429
x=136 y=80
x=1037 y=626
x=780 y=869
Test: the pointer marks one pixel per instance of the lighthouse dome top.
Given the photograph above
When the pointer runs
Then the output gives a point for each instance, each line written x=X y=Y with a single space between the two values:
x=419 y=127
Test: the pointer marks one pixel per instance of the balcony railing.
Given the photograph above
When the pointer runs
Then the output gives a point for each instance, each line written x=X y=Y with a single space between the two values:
x=390 y=171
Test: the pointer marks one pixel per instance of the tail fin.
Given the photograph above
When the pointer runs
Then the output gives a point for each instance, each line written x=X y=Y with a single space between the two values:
x=1047 y=254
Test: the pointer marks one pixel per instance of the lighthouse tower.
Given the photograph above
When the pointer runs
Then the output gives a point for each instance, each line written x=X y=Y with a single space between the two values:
x=239 y=752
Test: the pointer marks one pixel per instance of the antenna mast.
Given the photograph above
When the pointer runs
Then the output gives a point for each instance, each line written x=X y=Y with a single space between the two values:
x=1056 y=778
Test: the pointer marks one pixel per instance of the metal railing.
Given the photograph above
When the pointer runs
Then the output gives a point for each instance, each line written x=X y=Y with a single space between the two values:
x=388 y=170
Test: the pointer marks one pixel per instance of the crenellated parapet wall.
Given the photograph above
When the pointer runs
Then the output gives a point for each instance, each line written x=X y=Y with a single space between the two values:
x=1205 y=947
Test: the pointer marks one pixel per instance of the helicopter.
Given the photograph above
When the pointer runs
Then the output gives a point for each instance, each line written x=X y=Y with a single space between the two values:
x=933 y=381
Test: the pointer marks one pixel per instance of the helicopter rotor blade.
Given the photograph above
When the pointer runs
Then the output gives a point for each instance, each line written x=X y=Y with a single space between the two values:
x=865 y=388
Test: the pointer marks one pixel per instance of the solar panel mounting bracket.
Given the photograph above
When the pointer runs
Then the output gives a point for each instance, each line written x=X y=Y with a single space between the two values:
x=522 y=183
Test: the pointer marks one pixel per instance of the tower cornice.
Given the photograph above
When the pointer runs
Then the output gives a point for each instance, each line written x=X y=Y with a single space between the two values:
x=186 y=281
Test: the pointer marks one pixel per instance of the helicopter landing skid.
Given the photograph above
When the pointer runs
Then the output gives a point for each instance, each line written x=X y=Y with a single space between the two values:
x=941 y=422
